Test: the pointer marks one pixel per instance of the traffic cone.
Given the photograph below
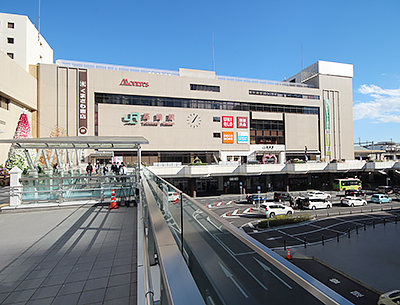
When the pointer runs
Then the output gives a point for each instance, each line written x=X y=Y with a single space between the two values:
x=113 y=203
x=214 y=204
x=288 y=254
x=238 y=211
x=222 y=202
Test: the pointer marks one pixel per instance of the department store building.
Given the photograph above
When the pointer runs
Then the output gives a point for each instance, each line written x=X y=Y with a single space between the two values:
x=192 y=114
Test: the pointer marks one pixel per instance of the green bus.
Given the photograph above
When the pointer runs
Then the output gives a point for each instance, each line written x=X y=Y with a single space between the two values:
x=347 y=184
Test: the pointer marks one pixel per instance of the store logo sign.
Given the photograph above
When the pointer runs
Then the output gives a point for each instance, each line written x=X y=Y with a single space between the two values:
x=228 y=137
x=126 y=82
x=145 y=119
x=227 y=122
x=242 y=122
x=83 y=104
x=243 y=137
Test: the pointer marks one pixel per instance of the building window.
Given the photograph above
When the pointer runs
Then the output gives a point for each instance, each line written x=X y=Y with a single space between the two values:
x=204 y=88
x=200 y=104
x=216 y=119
x=217 y=135
x=281 y=94
x=4 y=102
x=10 y=40
x=10 y=25
x=11 y=55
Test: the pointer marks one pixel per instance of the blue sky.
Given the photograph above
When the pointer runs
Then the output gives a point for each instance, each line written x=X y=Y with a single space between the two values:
x=254 y=39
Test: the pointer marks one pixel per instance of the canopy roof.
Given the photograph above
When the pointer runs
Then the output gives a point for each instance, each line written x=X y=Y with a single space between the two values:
x=82 y=142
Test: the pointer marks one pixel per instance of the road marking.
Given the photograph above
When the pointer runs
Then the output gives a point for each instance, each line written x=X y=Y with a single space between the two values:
x=230 y=276
x=357 y=294
x=335 y=281
x=270 y=271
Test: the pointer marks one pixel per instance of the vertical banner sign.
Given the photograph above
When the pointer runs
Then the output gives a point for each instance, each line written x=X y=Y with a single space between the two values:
x=327 y=112
x=82 y=105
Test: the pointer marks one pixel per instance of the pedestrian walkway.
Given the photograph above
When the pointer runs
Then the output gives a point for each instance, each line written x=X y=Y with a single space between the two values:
x=84 y=255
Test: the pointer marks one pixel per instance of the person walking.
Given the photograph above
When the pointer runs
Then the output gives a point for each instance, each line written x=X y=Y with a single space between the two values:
x=89 y=169
x=105 y=169
x=123 y=171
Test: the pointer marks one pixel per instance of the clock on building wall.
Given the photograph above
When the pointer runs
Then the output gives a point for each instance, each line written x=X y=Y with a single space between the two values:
x=194 y=120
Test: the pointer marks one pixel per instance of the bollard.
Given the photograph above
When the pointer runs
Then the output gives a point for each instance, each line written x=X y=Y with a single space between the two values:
x=284 y=245
x=365 y=226
x=373 y=223
x=395 y=219
x=337 y=236
x=384 y=221
x=323 y=240
x=348 y=232
x=305 y=242
x=356 y=229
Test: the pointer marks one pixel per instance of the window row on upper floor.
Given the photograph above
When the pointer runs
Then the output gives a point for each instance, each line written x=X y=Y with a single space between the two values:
x=106 y=98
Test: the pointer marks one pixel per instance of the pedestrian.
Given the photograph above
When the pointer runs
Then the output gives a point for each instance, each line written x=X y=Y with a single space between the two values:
x=123 y=171
x=105 y=169
x=113 y=168
x=97 y=167
x=55 y=168
x=89 y=169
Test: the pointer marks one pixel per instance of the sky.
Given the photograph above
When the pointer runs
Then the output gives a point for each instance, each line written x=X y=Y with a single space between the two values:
x=269 y=40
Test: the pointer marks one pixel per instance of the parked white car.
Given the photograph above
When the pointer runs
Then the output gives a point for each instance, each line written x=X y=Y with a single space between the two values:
x=318 y=194
x=353 y=201
x=272 y=209
x=388 y=298
x=318 y=203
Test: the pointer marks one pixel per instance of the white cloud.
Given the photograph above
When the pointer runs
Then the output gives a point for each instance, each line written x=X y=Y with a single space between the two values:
x=383 y=108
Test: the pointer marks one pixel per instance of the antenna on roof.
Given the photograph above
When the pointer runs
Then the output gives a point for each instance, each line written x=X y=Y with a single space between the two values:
x=213 y=63
x=39 y=23
x=301 y=56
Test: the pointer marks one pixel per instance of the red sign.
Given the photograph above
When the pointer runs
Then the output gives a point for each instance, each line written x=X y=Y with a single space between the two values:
x=242 y=122
x=126 y=82
x=227 y=122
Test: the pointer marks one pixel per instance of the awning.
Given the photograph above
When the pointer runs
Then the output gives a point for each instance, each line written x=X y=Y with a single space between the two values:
x=82 y=142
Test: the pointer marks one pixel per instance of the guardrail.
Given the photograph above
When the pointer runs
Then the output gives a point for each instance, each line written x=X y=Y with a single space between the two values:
x=59 y=190
x=204 y=258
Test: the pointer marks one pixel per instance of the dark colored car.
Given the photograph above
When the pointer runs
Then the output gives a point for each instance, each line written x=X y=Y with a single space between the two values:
x=354 y=193
x=282 y=196
x=255 y=199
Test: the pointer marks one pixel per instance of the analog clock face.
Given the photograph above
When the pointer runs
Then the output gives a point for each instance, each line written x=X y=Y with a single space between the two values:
x=193 y=120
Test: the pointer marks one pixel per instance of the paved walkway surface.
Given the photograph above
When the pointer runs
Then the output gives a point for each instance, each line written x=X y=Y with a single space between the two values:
x=84 y=255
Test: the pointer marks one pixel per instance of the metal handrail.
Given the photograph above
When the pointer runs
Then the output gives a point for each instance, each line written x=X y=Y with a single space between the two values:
x=305 y=281
x=179 y=285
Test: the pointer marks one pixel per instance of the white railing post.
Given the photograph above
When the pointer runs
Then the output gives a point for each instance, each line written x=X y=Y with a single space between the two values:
x=15 y=187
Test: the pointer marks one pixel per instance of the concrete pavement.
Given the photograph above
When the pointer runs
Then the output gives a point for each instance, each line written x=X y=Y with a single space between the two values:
x=84 y=255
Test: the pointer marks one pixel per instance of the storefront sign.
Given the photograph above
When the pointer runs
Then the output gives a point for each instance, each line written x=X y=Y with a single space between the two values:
x=228 y=137
x=82 y=105
x=145 y=119
x=227 y=122
x=242 y=122
x=126 y=82
x=327 y=112
x=243 y=137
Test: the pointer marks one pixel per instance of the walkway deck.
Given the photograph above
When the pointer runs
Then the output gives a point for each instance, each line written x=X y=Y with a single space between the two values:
x=84 y=255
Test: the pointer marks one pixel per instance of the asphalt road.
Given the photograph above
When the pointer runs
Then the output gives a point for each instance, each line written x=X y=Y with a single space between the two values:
x=332 y=225
x=236 y=274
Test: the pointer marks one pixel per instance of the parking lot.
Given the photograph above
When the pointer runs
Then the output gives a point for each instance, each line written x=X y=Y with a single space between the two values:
x=353 y=250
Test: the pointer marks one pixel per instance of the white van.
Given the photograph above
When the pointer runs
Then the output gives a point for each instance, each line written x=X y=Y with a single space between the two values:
x=318 y=203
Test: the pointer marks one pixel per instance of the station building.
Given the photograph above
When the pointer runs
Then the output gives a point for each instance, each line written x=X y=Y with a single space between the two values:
x=190 y=115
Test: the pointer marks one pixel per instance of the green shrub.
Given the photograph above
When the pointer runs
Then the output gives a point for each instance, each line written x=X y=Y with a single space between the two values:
x=281 y=220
